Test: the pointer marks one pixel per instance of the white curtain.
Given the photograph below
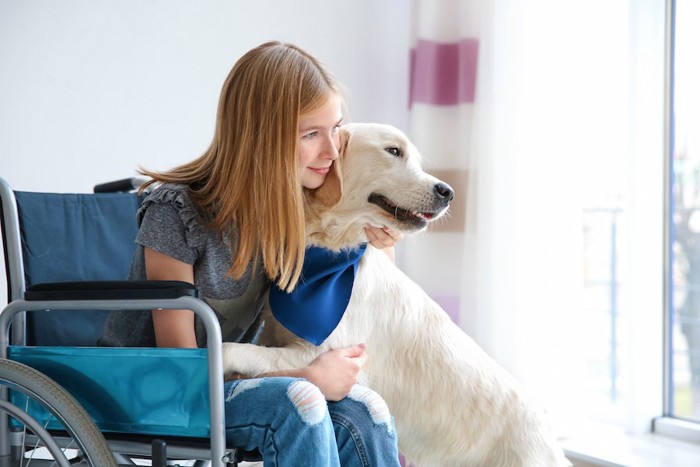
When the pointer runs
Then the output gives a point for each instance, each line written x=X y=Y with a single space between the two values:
x=510 y=138
x=533 y=110
x=442 y=89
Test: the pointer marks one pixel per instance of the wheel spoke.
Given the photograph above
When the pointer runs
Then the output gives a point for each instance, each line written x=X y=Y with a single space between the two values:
x=81 y=444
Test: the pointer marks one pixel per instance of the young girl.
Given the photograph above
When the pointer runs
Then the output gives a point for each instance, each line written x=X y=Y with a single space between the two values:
x=231 y=222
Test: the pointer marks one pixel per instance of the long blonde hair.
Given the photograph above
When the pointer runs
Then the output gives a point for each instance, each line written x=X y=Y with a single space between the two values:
x=249 y=175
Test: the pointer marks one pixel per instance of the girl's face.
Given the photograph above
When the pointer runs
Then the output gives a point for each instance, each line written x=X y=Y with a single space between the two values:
x=318 y=142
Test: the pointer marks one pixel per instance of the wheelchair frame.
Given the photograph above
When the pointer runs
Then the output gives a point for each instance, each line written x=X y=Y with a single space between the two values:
x=82 y=298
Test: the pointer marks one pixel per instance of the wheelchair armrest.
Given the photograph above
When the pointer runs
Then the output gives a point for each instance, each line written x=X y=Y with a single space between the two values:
x=109 y=290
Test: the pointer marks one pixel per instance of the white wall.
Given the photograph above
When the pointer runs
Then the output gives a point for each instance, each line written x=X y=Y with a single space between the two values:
x=90 y=90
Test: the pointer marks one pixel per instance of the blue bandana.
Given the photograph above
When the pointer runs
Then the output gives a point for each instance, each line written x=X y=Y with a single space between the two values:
x=316 y=305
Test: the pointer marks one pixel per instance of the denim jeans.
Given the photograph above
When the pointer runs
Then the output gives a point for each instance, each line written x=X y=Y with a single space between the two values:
x=289 y=421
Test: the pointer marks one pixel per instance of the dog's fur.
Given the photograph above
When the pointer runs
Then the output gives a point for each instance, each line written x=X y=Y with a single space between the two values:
x=452 y=404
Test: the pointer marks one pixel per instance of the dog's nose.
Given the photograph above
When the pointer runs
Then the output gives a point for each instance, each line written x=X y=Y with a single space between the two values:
x=444 y=191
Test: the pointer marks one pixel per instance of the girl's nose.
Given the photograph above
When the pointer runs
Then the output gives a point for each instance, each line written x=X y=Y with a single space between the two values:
x=332 y=146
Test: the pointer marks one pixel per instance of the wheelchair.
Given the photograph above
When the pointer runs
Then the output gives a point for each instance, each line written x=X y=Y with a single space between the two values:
x=64 y=400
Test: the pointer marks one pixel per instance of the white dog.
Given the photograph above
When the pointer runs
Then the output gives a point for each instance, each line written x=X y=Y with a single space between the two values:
x=452 y=404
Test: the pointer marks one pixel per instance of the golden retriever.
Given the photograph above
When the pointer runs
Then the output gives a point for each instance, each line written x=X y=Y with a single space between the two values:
x=452 y=404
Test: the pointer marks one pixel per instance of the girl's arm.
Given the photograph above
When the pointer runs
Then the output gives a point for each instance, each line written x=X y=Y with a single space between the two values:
x=173 y=328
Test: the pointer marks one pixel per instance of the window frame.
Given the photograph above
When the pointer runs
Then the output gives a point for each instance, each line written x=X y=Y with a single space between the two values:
x=667 y=424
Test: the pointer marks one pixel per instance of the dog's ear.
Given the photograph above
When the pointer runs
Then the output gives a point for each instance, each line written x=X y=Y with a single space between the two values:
x=330 y=193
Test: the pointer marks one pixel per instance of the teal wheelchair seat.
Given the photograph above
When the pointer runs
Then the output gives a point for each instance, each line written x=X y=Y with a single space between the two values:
x=161 y=392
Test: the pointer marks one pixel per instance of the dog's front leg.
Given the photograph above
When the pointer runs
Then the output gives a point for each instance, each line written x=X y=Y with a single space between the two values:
x=253 y=360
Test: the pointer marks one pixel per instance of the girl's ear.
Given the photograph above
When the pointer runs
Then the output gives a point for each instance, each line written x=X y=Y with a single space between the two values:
x=330 y=193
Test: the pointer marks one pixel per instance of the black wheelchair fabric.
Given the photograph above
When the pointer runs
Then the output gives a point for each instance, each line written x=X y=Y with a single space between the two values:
x=74 y=237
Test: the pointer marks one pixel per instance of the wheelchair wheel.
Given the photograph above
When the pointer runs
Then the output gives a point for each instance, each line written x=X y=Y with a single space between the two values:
x=80 y=444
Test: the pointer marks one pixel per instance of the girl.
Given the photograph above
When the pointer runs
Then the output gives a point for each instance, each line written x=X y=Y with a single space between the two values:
x=232 y=221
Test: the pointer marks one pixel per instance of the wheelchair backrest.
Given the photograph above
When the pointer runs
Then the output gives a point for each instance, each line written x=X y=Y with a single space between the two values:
x=64 y=238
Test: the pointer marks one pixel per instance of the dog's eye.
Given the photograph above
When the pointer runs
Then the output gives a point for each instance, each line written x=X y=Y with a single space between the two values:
x=394 y=151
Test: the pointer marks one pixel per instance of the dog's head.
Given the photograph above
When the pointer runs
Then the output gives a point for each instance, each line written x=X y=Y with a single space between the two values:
x=378 y=180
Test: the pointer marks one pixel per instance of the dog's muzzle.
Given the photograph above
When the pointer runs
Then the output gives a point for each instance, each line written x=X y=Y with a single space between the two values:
x=411 y=219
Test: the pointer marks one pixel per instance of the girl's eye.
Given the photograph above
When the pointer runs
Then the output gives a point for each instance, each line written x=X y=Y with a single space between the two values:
x=394 y=151
x=311 y=135
x=335 y=129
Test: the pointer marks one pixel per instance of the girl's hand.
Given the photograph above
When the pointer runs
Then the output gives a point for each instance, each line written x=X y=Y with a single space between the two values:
x=383 y=238
x=336 y=371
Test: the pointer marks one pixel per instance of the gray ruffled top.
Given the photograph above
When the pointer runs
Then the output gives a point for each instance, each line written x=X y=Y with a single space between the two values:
x=172 y=224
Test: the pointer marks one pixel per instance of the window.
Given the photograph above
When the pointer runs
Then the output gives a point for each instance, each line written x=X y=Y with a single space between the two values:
x=624 y=230
x=683 y=248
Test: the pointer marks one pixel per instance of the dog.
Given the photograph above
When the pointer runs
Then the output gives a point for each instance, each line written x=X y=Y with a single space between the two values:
x=452 y=404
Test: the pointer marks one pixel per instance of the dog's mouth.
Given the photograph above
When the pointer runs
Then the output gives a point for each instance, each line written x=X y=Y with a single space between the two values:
x=408 y=217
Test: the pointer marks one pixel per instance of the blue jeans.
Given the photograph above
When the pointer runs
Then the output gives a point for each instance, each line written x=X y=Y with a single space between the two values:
x=289 y=421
